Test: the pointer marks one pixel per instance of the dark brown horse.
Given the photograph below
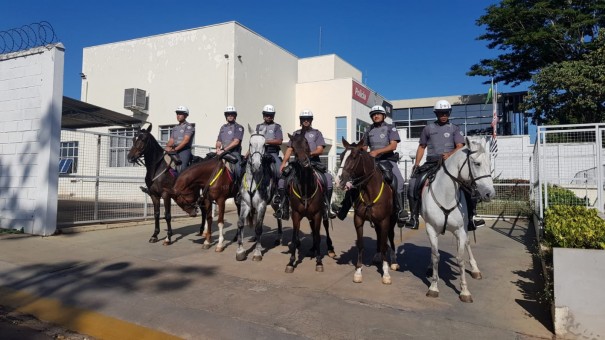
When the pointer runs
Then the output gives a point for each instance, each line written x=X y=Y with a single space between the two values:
x=306 y=200
x=159 y=178
x=201 y=184
x=375 y=204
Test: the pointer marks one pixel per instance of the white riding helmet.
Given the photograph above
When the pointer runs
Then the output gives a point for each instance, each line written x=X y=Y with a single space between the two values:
x=182 y=109
x=305 y=114
x=230 y=110
x=268 y=110
x=442 y=105
x=377 y=109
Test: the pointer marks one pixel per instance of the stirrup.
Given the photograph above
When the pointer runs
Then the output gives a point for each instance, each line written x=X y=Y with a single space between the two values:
x=413 y=223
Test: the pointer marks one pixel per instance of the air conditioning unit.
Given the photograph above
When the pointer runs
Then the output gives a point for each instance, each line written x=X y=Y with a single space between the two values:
x=135 y=99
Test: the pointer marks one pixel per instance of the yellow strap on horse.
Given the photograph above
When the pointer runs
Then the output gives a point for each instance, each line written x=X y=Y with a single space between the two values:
x=377 y=197
x=257 y=184
x=216 y=177
x=300 y=197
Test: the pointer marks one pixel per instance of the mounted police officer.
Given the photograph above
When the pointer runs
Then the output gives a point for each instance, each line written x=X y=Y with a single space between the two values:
x=181 y=138
x=441 y=139
x=273 y=138
x=229 y=141
x=382 y=139
x=316 y=144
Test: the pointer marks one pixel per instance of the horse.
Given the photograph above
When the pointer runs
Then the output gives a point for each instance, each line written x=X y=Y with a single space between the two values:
x=255 y=193
x=306 y=200
x=159 y=177
x=375 y=204
x=443 y=209
x=198 y=186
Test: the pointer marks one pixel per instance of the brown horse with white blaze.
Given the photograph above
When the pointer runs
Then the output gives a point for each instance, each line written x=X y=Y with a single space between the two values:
x=358 y=170
x=201 y=184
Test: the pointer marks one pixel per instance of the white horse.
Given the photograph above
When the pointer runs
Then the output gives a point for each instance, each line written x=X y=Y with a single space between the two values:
x=255 y=193
x=444 y=206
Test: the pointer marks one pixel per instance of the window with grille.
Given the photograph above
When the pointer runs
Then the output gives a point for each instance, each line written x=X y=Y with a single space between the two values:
x=360 y=129
x=119 y=145
x=68 y=164
x=341 y=132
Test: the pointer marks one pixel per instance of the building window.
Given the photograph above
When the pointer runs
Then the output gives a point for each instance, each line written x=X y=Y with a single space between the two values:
x=360 y=129
x=341 y=132
x=68 y=164
x=119 y=145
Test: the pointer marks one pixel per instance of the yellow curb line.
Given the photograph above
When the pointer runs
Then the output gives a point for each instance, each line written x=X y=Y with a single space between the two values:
x=77 y=319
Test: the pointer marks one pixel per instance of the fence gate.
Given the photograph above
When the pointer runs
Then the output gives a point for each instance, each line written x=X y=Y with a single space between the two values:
x=567 y=167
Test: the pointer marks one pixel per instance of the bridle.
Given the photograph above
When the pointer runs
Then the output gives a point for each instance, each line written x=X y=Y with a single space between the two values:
x=469 y=186
x=360 y=181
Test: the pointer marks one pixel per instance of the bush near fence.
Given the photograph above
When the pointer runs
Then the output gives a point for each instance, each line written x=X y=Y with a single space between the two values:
x=573 y=227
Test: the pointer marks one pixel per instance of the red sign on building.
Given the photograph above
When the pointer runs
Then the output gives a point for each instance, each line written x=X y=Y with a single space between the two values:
x=360 y=93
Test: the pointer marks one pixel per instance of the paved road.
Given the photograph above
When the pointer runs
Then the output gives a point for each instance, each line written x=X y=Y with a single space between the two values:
x=112 y=283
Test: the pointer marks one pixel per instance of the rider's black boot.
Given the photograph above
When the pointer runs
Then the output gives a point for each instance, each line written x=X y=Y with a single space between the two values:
x=413 y=222
x=283 y=210
x=345 y=205
x=145 y=190
x=328 y=199
x=402 y=214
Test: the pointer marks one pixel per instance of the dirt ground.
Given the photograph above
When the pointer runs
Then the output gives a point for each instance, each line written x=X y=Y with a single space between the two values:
x=19 y=326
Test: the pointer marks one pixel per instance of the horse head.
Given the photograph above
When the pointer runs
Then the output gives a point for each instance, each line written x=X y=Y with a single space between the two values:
x=256 y=149
x=480 y=169
x=140 y=144
x=300 y=149
x=350 y=160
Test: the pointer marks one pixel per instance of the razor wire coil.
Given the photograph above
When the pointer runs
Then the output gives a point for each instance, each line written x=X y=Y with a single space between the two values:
x=26 y=37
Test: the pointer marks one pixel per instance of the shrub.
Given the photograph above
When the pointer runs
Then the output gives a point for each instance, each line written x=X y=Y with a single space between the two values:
x=574 y=227
x=562 y=196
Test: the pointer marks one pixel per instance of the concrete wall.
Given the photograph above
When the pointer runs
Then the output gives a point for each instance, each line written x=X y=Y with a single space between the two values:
x=325 y=67
x=31 y=94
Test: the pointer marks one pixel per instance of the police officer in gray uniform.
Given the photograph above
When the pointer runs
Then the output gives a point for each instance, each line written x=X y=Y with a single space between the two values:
x=382 y=139
x=181 y=138
x=441 y=138
x=230 y=141
x=273 y=138
x=316 y=144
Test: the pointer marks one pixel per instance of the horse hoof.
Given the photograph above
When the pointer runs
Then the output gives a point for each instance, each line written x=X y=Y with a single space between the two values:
x=205 y=246
x=395 y=266
x=219 y=249
x=357 y=278
x=289 y=269
x=198 y=234
x=331 y=253
x=476 y=275
x=257 y=258
x=432 y=293
x=240 y=256
x=466 y=298
x=386 y=280
x=166 y=243
x=277 y=243
x=319 y=268
x=153 y=240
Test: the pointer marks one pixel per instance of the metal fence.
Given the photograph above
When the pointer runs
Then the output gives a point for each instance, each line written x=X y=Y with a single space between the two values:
x=567 y=167
x=96 y=182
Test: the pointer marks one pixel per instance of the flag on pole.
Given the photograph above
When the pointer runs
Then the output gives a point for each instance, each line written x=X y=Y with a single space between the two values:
x=493 y=95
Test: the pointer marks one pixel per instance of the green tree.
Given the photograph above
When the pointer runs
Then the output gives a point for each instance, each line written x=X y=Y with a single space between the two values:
x=570 y=92
x=532 y=34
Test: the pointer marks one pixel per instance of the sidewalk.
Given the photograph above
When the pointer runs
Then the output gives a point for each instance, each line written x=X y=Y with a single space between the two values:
x=112 y=283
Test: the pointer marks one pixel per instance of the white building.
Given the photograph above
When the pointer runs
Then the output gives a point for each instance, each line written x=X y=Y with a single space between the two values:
x=211 y=67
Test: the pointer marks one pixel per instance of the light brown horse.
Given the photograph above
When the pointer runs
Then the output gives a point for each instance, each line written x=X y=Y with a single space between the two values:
x=306 y=200
x=374 y=204
x=159 y=179
x=198 y=186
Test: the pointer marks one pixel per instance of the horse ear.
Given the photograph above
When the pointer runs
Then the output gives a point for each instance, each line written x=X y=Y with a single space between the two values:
x=250 y=129
x=344 y=142
x=149 y=128
x=290 y=136
x=361 y=143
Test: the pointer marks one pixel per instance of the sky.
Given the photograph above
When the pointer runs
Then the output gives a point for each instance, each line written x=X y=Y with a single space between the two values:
x=404 y=48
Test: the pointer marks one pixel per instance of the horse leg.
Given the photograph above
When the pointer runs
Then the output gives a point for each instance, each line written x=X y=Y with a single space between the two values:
x=168 y=218
x=315 y=229
x=475 y=272
x=357 y=277
x=156 y=219
x=207 y=234
x=240 y=253
x=391 y=249
x=462 y=238
x=433 y=289
x=221 y=223
x=257 y=255
x=204 y=213
x=279 y=232
x=383 y=232
x=331 y=252
x=295 y=243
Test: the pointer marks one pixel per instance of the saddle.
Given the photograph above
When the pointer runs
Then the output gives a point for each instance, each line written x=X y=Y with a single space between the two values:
x=172 y=159
x=424 y=173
